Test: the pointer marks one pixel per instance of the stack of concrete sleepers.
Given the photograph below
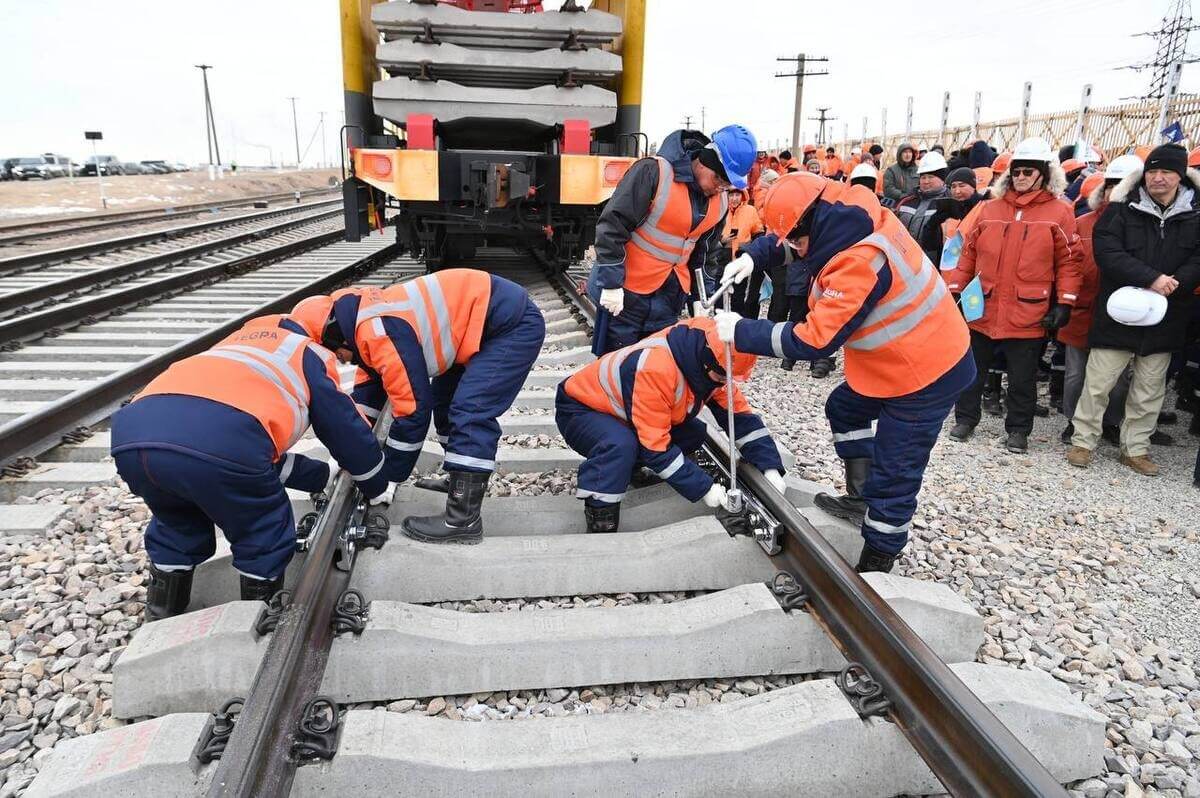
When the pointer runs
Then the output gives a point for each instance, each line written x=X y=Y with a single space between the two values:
x=458 y=65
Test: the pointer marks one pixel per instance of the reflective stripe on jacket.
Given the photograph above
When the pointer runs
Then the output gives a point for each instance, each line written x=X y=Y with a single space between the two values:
x=665 y=240
x=258 y=370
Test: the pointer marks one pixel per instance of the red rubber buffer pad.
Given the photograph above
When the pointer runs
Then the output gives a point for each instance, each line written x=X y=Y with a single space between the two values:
x=420 y=132
x=576 y=137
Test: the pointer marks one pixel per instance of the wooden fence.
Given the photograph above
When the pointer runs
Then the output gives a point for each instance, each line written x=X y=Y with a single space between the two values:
x=1115 y=129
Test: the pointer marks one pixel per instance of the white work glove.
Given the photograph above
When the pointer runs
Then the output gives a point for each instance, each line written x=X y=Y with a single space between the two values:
x=738 y=269
x=383 y=498
x=726 y=325
x=776 y=480
x=613 y=300
x=716 y=496
x=699 y=311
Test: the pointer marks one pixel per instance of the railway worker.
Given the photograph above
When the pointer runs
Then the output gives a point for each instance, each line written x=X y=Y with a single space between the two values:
x=664 y=220
x=907 y=348
x=638 y=406
x=951 y=213
x=900 y=179
x=917 y=208
x=812 y=166
x=742 y=225
x=765 y=181
x=206 y=442
x=456 y=346
x=832 y=166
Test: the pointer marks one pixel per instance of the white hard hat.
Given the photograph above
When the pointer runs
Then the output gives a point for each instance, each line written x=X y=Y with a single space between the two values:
x=863 y=170
x=1034 y=149
x=932 y=162
x=1122 y=166
x=1137 y=307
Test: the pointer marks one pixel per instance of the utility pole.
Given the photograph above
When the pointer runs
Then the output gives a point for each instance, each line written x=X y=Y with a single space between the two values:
x=821 y=120
x=324 y=160
x=295 y=131
x=801 y=61
x=687 y=121
x=703 y=120
x=210 y=125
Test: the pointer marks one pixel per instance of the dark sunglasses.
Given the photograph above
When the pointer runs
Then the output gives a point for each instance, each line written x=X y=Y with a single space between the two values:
x=1024 y=171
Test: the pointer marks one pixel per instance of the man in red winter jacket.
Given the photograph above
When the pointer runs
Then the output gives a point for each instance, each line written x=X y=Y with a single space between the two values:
x=1025 y=251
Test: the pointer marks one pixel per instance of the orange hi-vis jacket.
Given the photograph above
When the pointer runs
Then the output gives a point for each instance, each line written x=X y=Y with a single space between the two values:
x=259 y=370
x=911 y=334
x=665 y=240
x=744 y=218
x=831 y=165
x=446 y=310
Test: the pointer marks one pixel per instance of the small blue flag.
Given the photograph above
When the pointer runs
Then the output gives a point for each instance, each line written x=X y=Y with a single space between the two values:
x=1173 y=132
x=971 y=299
x=951 y=251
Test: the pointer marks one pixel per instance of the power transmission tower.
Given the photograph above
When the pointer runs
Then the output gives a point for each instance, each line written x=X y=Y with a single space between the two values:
x=210 y=125
x=801 y=60
x=822 y=119
x=687 y=121
x=1172 y=39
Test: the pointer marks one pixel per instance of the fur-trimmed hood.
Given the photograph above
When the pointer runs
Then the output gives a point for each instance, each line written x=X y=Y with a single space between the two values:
x=1056 y=185
x=1096 y=198
x=1124 y=190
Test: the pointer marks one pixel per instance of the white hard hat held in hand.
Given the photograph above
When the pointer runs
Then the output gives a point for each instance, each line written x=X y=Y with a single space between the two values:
x=1137 y=307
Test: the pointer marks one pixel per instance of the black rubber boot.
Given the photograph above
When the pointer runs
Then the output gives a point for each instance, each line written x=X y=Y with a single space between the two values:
x=872 y=559
x=462 y=522
x=787 y=365
x=259 y=589
x=993 y=395
x=851 y=505
x=1017 y=443
x=821 y=367
x=1167 y=418
x=961 y=432
x=168 y=593
x=1160 y=438
x=605 y=518
x=438 y=484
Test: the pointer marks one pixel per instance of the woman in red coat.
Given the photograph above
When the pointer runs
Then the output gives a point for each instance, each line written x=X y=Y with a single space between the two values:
x=1025 y=251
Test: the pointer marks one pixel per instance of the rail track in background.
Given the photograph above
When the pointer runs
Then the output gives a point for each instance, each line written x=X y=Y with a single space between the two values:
x=14 y=234
x=237 y=698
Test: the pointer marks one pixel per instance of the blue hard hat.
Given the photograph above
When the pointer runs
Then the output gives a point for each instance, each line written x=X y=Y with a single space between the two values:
x=737 y=149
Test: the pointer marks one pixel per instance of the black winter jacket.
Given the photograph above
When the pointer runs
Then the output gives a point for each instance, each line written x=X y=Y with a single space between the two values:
x=1134 y=242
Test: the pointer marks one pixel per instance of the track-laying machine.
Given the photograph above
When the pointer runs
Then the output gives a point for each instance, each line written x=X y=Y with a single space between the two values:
x=489 y=122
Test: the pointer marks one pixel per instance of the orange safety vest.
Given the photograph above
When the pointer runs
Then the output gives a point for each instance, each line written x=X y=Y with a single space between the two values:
x=259 y=370
x=665 y=240
x=447 y=310
x=915 y=334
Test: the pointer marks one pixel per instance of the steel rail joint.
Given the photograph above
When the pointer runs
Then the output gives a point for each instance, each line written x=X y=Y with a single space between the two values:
x=965 y=745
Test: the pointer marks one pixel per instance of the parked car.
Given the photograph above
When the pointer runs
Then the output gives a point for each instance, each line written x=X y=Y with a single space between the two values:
x=179 y=166
x=134 y=168
x=157 y=167
x=64 y=164
x=108 y=165
x=34 y=168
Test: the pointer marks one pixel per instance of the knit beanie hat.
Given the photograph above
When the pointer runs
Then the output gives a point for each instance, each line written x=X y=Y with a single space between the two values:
x=962 y=174
x=1171 y=157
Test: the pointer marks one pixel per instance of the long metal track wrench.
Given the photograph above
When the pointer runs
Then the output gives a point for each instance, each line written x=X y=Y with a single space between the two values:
x=733 y=498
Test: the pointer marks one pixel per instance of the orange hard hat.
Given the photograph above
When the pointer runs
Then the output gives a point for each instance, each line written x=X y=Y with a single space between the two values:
x=1194 y=157
x=810 y=148
x=312 y=314
x=789 y=199
x=1001 y=163
x=1142 y=152
x=1071 y=164
x=1090 y=183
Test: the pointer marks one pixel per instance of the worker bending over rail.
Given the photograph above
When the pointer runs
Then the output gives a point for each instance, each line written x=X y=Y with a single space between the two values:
x=207 y=443
x=875 y=293
x=638 y=406
x=455 y=345
x=664 y=219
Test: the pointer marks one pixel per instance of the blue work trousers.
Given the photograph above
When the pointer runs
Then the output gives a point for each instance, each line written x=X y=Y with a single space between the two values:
x=610 y=448
x=187 y=495
x=897 y=435
x=643 y=315
x=468 y=399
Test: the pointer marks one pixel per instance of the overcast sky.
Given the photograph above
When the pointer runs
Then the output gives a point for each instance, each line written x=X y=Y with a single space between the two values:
x=126 y=67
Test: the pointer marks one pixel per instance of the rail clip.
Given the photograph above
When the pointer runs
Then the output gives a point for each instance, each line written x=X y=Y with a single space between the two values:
x=350 y=614
x=788 y=591
x=268 y=618
x=317 y=737
x=217 y=730
x=865 y=694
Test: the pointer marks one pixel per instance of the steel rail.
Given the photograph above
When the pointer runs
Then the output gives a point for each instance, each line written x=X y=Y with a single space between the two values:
x=72 y=224
x=53 y=257
x=966 y=746
x=17 y=300
x=74 y=313
x=31 y=434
